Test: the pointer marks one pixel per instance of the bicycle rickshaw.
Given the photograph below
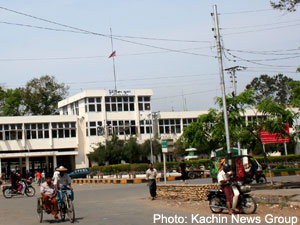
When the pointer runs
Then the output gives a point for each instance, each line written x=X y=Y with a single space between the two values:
x=66 y=207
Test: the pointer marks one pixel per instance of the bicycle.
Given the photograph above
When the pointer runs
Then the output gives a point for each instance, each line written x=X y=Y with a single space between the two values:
x=66 y=207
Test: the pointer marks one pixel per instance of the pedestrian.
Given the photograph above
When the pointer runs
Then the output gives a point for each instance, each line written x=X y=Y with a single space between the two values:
x=151 y=174
x=182 y=170
x=55 y=174
x=38 y=177
x=28 y=174
x=43 y=176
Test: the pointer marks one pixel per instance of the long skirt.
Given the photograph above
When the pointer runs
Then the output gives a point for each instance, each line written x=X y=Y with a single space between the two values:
x=152 y=187
x=51 y=205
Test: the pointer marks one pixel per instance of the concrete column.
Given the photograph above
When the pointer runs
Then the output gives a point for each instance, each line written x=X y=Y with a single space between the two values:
x=27 y=163
x=0 y=168
x=47 y=164
x=20 y=165
x=54 y=163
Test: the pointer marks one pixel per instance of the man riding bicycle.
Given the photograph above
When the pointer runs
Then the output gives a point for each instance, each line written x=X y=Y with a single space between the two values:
x=63 y=182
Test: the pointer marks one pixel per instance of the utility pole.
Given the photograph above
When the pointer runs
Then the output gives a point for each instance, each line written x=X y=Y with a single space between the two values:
x=113 y=58
x=231 y=71
x=222 y=83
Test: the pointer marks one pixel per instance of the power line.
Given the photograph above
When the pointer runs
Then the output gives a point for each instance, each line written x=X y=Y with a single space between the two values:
x=257 y=30
x=193 y=93
x=253 y=62
x=243 y=12
x=270 y=52
x=145 y=79
x=122 y=36
x=258 y=25
x=102 y=35
x=93 y=57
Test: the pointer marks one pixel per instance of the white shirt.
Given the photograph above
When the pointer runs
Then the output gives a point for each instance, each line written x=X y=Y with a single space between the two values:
x=48 y=190
x=151 y=174
x=62 y=180
x=221 y=176
x=55 y=174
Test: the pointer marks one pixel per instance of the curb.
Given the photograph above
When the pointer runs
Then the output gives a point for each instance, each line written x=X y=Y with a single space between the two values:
x=119 y=181
x=283 y=173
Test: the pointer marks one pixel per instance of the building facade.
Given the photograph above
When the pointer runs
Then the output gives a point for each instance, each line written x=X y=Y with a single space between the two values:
x=85 y=119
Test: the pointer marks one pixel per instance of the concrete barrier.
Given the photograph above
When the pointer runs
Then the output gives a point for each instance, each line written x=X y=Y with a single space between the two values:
x=185 y=191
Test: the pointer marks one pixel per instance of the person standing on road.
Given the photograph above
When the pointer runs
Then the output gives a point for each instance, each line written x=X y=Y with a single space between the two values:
x=49 y=192
x=182 y=170
x=151 y=174
x=38 y=177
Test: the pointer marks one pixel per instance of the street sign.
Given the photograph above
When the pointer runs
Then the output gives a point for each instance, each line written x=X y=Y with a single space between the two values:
x=164 y=146
x=267 y=138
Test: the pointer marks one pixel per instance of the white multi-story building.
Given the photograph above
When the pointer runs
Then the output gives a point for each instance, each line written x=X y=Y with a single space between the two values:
x=87 y=118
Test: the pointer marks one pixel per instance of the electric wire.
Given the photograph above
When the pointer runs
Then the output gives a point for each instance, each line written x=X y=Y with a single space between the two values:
x=248 y=11
x=103 y=35
x=122 y=36
x=93 y=57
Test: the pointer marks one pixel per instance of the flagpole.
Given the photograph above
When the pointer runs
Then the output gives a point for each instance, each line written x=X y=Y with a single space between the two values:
x=113 y=58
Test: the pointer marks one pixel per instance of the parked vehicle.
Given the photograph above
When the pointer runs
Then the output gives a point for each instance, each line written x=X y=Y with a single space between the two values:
x=246 y=203
x=80 y=173
x=244 y=167
x=28 y=190
x=194 y=173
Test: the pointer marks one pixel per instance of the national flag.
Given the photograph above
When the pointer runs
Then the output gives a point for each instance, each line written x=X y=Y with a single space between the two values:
x=112 y=54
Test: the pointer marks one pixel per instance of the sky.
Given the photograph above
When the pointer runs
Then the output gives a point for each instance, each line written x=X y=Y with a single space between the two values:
x=167 y=46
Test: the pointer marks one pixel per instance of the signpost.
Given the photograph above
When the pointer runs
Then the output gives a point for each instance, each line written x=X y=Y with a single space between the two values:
x=164 y=147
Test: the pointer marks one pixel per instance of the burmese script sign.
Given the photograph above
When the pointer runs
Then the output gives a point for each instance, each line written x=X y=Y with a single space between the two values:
x=267 y=138
x=119 y=92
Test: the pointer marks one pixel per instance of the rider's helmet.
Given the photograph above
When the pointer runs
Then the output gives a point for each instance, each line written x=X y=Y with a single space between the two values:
x=226 y=168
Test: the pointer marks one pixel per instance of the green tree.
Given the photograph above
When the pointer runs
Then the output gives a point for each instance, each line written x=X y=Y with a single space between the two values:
x=288 y=5
x=41 y=95
x=11 y=102
x=132 y=151
x=275 y=87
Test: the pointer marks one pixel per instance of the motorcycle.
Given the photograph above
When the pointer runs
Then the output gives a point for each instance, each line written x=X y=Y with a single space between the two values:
x=246 y=203
x=28 y=190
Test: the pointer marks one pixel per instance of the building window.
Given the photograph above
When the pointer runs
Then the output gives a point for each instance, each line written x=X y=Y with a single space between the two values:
x=65 y=110
x=121 y=127
x=119 y=104
x=144 y=103
x=36 y=130
x=146 y=126
x=64 y=130
x=10 y=132
x=92 y=104
x=94 y=128
x=75 y=108
x=169 y=126
x=187 y=121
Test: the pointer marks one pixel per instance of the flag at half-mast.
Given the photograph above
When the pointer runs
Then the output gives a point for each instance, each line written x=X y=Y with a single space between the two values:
x=113 y=54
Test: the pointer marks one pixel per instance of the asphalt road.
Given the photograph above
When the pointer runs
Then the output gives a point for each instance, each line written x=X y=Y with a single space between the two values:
x=109 y=204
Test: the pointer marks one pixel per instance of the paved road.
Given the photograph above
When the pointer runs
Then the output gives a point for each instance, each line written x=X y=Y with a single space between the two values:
x=107 y=204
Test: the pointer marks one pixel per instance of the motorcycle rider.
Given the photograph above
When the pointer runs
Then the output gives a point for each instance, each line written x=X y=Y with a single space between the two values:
x=15 y=182
x=223 y=179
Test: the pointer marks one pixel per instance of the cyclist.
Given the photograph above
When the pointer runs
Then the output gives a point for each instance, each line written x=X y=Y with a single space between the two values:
x=63 y=182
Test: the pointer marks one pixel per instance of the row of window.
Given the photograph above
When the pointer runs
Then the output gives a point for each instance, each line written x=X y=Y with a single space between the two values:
x=112 y=104
x=37 y=131
x=94 y=128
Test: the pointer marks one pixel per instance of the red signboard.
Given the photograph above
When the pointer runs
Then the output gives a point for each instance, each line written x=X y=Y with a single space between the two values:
x=267 y=138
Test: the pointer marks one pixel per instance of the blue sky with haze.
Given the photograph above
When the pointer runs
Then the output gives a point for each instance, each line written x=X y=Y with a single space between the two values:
x=81 y=60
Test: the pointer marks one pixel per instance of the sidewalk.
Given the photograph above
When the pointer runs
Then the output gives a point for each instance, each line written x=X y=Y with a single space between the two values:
x=278 y=196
